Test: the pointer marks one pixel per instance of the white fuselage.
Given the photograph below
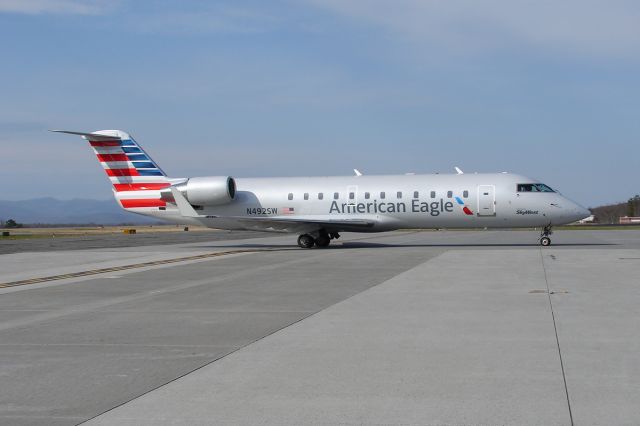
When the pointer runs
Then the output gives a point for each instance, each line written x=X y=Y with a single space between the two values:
x=389 y=202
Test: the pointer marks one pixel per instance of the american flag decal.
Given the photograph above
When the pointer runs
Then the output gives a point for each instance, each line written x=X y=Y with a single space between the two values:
x=287 y=210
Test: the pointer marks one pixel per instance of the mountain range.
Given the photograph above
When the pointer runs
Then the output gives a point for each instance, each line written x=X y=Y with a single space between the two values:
x=77 y=211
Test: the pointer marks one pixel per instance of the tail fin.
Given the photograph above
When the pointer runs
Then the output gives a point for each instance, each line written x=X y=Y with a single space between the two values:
x=136 y=178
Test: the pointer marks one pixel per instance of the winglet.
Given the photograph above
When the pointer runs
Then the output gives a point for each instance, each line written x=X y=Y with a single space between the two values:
x=460 y=172
x=184 y=207
x=357 y=172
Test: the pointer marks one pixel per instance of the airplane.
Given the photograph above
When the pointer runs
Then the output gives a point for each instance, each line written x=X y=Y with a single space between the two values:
x=319 y=208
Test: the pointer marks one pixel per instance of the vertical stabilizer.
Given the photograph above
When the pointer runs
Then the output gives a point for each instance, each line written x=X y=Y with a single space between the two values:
x=137 y=180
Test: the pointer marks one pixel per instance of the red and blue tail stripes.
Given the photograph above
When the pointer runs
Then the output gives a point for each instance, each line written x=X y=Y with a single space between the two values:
x=136 y=178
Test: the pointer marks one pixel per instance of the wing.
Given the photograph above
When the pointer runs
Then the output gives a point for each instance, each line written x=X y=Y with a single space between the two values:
x=300 y=224
x=278 y=223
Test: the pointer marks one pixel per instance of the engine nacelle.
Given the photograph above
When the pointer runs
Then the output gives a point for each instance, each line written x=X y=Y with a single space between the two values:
x=208 y=191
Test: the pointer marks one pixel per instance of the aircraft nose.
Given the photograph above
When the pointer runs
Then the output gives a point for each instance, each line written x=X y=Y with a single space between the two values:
x=584 y=212
x=570 y=211
x=579 y=212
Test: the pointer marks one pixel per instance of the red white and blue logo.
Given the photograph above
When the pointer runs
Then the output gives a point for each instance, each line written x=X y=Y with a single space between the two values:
x=465 y=209
x=135 y=177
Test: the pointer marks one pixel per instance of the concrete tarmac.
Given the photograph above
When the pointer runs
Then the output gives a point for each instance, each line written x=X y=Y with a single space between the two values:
x=88 y=242
x=447 y=328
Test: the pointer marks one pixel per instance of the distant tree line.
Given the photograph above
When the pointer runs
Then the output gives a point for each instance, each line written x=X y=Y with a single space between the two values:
x=10 y=224
x=633 y=206
x=612 y=213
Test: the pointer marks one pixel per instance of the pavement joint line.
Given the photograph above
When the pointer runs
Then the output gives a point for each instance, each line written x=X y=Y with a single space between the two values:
x=79 y=274
x=55 y=314
x=237 y=349
x=124 y=267
x=555 y=329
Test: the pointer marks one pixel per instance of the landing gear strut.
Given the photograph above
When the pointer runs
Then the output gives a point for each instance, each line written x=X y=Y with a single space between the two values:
x=323 y=240
x=544 y=236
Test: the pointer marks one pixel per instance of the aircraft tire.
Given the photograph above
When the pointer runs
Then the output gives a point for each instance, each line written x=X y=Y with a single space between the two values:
x=545 y=241
x=306 y=241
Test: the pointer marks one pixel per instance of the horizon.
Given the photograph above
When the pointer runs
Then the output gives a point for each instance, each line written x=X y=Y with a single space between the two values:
x=315 y=88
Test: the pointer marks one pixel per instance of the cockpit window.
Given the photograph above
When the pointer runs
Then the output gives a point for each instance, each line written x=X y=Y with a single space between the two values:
x=534 y=187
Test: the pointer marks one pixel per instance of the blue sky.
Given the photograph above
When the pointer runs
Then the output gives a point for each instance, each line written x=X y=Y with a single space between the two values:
x=287 y=88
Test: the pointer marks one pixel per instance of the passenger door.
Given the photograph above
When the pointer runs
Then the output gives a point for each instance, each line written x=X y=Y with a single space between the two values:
x=486 y=200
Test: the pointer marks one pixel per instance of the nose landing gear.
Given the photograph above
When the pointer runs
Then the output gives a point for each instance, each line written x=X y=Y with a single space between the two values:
x=544 y=236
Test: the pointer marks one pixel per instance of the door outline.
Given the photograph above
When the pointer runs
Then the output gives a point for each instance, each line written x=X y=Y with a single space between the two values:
x=486 y=200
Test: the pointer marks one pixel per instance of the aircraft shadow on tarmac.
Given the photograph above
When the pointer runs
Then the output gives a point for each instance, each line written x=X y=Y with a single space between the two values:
x=360 y=244
x=382 y=245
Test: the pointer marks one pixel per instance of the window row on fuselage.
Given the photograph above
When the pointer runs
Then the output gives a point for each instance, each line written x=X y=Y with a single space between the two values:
x=351 y=195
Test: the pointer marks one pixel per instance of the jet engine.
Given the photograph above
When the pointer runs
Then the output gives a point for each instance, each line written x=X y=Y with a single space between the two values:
x=208 y=191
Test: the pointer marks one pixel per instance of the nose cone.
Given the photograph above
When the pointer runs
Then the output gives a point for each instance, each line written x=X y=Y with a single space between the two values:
x=583 y=213
x=566 y=211
x=577 y=212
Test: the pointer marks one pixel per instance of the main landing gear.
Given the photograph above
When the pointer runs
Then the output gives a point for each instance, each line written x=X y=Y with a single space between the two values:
x=544 y=236
x=319 y=239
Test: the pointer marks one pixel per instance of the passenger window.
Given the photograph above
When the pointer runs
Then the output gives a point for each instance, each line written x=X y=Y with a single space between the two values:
x=367 y=195
x=465 y=194
x=433 y=194
x=306 y=195
x=320 y=195
x=336 y=195
x=416 y=194
x=382 y=195
x=352 y=195
x=399 y=194
x=449 y=194
x=290 y=196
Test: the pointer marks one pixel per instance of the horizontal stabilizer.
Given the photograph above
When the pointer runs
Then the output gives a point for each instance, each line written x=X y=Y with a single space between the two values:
x=90 y=136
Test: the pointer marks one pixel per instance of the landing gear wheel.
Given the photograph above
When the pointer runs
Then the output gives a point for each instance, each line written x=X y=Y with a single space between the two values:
x=306 y=241
x=544 y=236
x=323 y=241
